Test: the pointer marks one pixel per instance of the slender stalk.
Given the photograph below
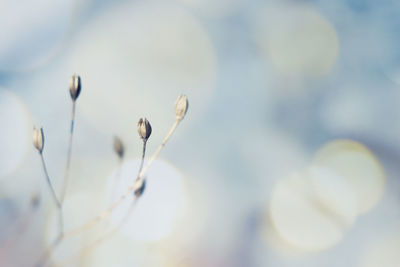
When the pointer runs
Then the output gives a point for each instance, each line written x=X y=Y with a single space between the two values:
x=160 y=147
x=128 y=192
x=46 y=255
x=53 y=193
x=60 y=235
x=68 y=165
x=142 y=160
x=117 y=202
x=101 y=239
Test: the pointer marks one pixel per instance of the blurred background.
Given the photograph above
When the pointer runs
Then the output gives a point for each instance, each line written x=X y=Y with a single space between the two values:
x=288 y=155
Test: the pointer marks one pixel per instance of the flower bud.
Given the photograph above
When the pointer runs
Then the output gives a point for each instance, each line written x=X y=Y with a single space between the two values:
x=144 y=129
x=140 y=185
x=35 y=200
x=38 y=139
x=181 y=106
x=75 y=86
x=119 y=147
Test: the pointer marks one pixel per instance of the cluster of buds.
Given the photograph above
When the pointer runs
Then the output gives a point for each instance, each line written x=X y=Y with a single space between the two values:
x=181 y=107
x=38 y=139
x=144 y=129
x=119 y=147
x=143 y=126
x=75 y=87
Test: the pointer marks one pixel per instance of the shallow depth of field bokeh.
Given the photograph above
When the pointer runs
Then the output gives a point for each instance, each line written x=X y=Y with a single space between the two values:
x=288 y=156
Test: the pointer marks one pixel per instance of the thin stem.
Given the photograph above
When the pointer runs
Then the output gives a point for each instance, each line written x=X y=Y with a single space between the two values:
x=68 y=165
x=130 y=189
x=142 y=160
x=117 y=202
x=160 y=147
x=60 y=235
x=53 y=192
x=45 y=256
x=59 y=203
x=101 y=239
x=128 y=192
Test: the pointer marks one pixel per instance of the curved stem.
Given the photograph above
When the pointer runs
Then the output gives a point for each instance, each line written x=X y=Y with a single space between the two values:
x=68 y=165
x=160 y=147
x=60 y=235
x=45 y=256
x=59 y=202
x=128 y=192
x=117 y=202
x=53 y=193
x=101 y=239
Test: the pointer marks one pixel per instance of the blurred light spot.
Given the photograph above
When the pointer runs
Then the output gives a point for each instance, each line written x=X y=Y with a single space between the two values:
x=144 y=56
x=296 y=39
x=32 y=31
x=394 y=74
x=358 y=166
x=390 y=54
x=276 y=242
x=271 y=154
x=392 y=69
x=117 y=251
x=16 y=132
x=195 y=211
x=311 y=209
x=159 y=209
x=90 y=173
x=383 y=253
x=334 y=194
x=215 y=8
x=350 y=109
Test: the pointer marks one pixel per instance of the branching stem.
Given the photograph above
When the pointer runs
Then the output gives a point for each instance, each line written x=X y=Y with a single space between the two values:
x=113 y=205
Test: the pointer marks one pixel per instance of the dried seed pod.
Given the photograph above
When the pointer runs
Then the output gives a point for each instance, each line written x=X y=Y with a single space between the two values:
x=35 y=200
x=75 y=86
x=140 y=185
x=38 y=139
x=119 y=147
x=181 y=106
x=144 y=129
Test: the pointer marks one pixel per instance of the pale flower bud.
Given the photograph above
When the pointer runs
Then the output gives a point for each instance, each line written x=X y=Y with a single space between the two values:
x=38 y=139
x=119 y=147
x=181 y=106
x=75 y=86
x=144 y=129
x=35 y=200
x=140 y=185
